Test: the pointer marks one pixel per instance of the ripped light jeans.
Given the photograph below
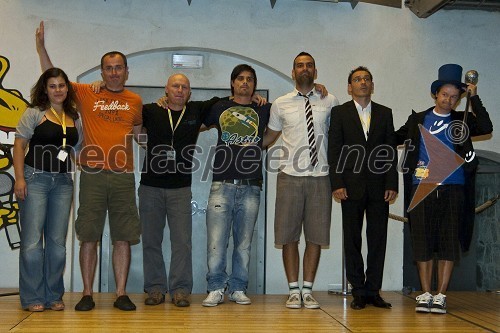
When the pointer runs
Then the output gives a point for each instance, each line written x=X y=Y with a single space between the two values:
x=230 y=208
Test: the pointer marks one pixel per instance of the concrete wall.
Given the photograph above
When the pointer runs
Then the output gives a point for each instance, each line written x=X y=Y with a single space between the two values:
x=402 y=51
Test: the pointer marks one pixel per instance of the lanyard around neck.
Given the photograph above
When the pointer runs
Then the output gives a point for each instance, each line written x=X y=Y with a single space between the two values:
x=62 y=122
x=172 y=123
x=365 y=118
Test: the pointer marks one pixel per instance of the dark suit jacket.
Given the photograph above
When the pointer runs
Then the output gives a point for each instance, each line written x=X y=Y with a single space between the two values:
x=360 y=164
x=478 y=123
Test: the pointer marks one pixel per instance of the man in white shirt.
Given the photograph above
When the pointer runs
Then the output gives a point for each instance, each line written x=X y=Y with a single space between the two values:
x=303 y=196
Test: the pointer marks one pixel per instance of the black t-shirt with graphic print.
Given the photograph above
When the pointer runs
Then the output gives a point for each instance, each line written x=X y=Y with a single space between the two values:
x=239 y=148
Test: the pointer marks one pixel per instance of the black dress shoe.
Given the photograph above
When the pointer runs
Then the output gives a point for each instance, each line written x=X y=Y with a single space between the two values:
x=378 y=302
x=358 y=303
x=85 y=304
x=124 y=303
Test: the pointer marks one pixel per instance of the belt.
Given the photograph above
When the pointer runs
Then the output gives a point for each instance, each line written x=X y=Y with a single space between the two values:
x=440 y=185
x=254 y=182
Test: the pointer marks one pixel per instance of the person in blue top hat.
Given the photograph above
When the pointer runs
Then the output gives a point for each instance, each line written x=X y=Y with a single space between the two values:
x=439 y=171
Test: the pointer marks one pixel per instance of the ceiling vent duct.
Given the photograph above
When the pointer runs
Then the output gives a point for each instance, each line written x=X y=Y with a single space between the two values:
x=425 y=8
x=487 y=5
x=422 y=8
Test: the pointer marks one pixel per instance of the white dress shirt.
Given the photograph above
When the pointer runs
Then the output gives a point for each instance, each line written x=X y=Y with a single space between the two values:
x=288 y=116
x=365 y=116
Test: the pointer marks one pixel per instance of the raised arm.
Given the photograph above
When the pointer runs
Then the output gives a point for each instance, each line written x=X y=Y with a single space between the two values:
x=45 y=62
x=479 y=122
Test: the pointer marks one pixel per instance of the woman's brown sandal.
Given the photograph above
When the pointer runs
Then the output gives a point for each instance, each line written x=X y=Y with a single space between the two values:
x=36 y=307
x=57 y=306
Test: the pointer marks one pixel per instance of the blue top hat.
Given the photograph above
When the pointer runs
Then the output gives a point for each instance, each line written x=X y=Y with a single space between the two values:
x=449 y=74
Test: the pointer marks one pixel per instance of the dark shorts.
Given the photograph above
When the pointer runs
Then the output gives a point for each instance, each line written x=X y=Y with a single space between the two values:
x=111 y=192
x=434 y=224
x=303 y=202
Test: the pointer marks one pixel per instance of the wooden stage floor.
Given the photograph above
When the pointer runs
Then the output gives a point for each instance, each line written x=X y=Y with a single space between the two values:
x=467 y=312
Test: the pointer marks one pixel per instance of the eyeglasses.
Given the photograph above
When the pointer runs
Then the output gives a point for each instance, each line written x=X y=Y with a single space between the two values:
x=358 y=79
x=110 y=69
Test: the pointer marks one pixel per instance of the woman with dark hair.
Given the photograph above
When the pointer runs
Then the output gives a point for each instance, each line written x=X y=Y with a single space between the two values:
x=51 y=130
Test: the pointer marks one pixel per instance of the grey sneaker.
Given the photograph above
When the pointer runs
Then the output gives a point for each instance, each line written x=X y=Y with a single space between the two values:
x=239 y=297
x=294 y=301
x=309 y=301
x=214 y=298
x=424 y=302
x=439 y=304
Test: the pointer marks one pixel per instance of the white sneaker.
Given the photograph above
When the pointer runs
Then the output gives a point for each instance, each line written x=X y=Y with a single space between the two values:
x=424 y=302
x=439 y=304
x=309 y=301
x=239 y=297
x=214 y=298
x=294 y=301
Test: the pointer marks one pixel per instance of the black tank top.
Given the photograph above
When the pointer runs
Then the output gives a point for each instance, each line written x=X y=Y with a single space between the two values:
x=45 y=145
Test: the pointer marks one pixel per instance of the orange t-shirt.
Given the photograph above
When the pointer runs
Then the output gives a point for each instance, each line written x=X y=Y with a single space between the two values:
x=108 y=120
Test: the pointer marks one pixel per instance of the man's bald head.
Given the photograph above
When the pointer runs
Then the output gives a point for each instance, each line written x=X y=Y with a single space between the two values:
x=178 y=91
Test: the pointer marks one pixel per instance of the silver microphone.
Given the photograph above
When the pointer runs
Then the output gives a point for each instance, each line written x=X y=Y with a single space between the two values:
x=471 y=76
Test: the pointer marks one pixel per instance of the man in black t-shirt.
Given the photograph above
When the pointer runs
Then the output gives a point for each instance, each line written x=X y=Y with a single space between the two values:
x=165 y=190
x=234 y=198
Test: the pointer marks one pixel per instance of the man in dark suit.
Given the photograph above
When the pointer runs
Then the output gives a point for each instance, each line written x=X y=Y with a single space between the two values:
x=362 y=157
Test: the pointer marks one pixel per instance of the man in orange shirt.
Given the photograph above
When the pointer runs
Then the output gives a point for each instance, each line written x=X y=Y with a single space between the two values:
x=107 y=182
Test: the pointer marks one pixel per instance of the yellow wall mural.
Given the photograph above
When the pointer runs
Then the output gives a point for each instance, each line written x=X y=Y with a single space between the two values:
x=12 y=106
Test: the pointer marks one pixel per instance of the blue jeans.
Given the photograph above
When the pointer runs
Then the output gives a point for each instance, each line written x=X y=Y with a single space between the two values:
x=230 y=207
x=44 y=216
x=156 y=204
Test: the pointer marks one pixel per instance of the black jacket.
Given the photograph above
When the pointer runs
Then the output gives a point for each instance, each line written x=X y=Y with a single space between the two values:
x=478 y=123
x=359 y=164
